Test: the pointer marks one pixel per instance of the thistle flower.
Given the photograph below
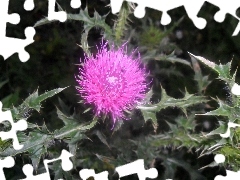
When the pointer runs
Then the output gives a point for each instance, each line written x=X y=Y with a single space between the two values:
x=112 y=81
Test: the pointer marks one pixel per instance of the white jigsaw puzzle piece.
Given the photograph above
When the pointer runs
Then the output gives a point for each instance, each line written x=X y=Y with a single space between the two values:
x=20 y=125
x=87 y=173
x=28 y=171
x=8 y=45
x=137 y=167
x=236 y=89
x=75 y=3
x=219 y=158
x=229 y=7
x=230 y=176
x=52 y=14
x=192 y=8
x=7 y=162
x=66 y=166
x=66 y=162
x=228 y=132
x=29 y=5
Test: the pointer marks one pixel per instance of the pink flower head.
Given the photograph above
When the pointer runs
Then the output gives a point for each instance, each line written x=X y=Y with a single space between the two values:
x=112 y=81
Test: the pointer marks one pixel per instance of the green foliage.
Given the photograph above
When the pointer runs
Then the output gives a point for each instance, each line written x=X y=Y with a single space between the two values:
x=97 y=21
x=122 y=21
x=89 y=23
x=38 y=139
x=226 y=132
x=231 y=154
x=149 y=110
x=32 y=102
x=152 y=36
x=223 y=70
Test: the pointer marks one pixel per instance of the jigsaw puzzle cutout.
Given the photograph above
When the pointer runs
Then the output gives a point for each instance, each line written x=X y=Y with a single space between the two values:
x=192 y=9
x=20 y=125
x=235 y=90
x=219 y=158
x=8 y=45
x=66 y=166
x=29 y=5
x=75 y=4
x=60 y=15
x=52 y=14
x=137 y=167
x=230 y=175
x=87 y=173
x=7 y=162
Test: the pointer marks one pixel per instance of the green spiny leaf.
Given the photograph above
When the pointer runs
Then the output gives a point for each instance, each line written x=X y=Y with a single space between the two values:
x=59 y=173
x=217 y=145
x=149 y=110
x=122 y=21
x=92 y=22
x=202 y=81
x=233 y=113
x=171 y=58
x=66 y=119
x=70 y=130
x=89 y=22
x=35 y=139
x=210 y=64
x=220 y=130
x=33 y=102
x=223 y=70
x=223 y=110
x=35 y=155
x=150 y=115
x=187 y=123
